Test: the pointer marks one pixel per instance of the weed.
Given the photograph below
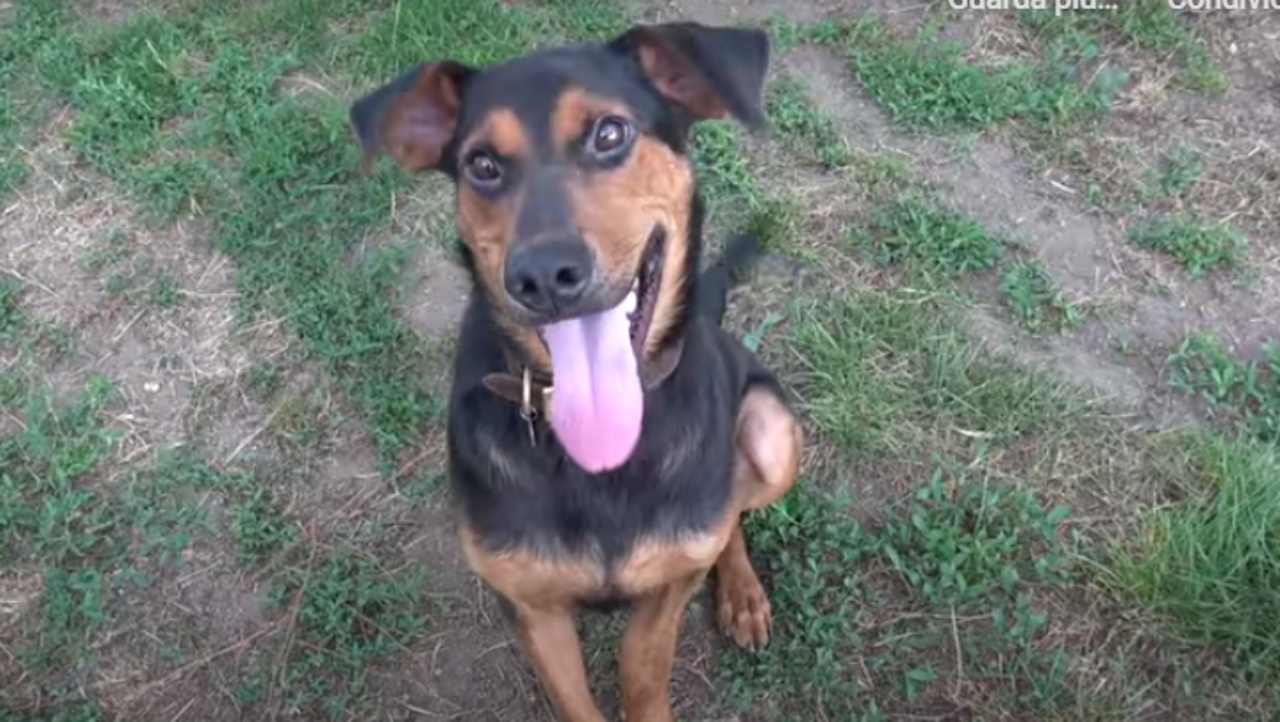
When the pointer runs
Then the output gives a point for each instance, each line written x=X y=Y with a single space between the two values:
x=75 y=712
x=11 y=316
x=932 y=237
x=258 y=527
x=1035 y=298
x=1245 y=394
x=165 y=291
x=814 y=550
x=114 y=246
x=729 y=186
x=1148 y=26
x=41 y=508
x=35 y=341
x=962 y=542
x=869 y=608
x=85 y=540
x=1200 y=247
x=25 y=29
x=1181 y=171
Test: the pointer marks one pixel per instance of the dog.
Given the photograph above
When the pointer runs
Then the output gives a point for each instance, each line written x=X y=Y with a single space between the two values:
x=605 y=434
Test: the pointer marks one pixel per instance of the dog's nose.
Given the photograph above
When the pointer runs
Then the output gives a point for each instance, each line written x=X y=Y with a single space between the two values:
x=548 y=276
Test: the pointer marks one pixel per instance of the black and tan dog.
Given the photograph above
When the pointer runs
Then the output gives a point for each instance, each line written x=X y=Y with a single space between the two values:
x=581 y=225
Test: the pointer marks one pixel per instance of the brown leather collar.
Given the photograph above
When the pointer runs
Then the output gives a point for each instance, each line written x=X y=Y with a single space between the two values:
x=531 y=389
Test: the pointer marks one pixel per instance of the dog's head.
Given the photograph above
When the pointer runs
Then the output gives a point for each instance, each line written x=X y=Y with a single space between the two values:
x=576 y=197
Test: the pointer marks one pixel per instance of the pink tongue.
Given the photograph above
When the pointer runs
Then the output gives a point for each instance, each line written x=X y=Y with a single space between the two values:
x=598 y=402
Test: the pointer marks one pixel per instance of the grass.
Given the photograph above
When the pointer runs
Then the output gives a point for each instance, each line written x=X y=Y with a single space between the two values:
x=871 y=610
x=24 y=30
x=1052 y=103
x=1200 y=247
x=934 y=237
x=864 y=361
x=1207 y=566
x=1035 y=299
x=349 y=614
x=796 y=118
x=966 y=583
x=927 y=84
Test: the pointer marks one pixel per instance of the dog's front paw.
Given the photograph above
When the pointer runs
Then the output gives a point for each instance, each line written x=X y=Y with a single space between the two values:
x=742 y=607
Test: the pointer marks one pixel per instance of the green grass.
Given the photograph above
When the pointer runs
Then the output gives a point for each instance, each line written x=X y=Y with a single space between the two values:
x=798 y=120
x=927 y=84
x=24 y=29
x=1199 y=246
x=87 y=539
x=1208 y=565
x=76 y=712
x=932 y=237
x=893 y=377
x=1035 y=298
x=186 y=112
x=93 y=543
x=1149 y=27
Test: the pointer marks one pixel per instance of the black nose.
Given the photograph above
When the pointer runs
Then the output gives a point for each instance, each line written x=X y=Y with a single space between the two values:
x=549 y=275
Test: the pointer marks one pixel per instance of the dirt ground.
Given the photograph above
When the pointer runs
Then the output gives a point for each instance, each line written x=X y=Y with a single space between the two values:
x=182 y=371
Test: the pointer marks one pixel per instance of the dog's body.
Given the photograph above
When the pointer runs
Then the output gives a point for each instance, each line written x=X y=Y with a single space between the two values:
x=605 y=434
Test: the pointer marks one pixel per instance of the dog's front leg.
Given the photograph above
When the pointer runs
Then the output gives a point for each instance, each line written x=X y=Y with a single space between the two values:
x=539 y=594
x=551 y=642
x=649 y=649
x=770 y=443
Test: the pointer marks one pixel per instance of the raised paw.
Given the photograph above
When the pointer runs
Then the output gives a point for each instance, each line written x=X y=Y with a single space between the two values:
x=742 y=608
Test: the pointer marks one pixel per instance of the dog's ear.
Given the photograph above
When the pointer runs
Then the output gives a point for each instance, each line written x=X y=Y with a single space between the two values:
x=706 y=71
x=414 y=116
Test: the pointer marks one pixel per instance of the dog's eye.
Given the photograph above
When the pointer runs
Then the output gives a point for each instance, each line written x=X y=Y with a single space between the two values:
x=610 y=135
x=481 y=168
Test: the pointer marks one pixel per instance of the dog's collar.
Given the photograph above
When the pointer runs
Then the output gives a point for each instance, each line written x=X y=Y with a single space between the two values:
x=532 y=389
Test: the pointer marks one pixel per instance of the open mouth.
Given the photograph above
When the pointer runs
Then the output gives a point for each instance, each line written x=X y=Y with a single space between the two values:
x=646 y=289
x=597 y=409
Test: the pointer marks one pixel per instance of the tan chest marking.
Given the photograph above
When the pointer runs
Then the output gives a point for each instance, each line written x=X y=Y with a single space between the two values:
x=653 y=564
x=533 y=580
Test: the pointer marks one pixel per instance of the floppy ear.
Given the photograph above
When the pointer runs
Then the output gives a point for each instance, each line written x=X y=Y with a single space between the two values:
x=413 y=117
x=706 y=71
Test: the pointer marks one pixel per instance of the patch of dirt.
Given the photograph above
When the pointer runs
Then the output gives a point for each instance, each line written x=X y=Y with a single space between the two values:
x=173 y=651
x=438 y=293
x=152 y=310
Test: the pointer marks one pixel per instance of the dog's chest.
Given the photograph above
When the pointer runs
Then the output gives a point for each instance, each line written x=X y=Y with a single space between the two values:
x=555 y=531
x=586 y=575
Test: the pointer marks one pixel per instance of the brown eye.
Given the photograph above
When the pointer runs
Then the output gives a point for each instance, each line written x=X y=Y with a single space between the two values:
x=610 y=136
x=482 y=169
